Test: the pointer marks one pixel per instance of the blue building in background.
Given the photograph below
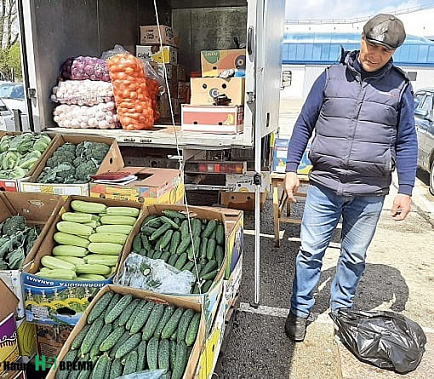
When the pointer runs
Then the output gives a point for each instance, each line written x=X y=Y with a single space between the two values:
x=306 y=54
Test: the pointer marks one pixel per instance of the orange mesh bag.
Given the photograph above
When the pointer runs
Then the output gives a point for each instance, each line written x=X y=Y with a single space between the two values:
x=134 y=94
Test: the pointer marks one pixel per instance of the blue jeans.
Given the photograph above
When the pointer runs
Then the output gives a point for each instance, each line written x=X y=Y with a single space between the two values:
x=323 y=210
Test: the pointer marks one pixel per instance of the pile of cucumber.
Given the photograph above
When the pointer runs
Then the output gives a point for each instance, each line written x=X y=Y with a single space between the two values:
x=124 y=335
x=192 y=244
x=89 y=240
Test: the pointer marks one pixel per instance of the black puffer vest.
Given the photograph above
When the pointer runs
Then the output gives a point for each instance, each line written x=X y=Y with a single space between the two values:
x=353 y=151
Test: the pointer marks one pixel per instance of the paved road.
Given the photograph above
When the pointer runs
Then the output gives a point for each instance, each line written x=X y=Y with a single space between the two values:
x=398 y=277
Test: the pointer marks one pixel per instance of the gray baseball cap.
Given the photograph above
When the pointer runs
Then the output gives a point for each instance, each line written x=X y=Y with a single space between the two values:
x=385 y=29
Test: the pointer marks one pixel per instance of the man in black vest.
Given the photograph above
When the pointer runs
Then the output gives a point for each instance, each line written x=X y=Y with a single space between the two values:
x=362 y=112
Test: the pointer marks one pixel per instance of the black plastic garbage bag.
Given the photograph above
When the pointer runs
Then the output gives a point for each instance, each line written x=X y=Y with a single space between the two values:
x=385 y=339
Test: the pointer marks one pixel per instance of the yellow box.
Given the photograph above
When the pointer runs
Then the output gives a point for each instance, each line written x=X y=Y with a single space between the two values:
x=213 y=62
x=204 y=90
x=156 y=53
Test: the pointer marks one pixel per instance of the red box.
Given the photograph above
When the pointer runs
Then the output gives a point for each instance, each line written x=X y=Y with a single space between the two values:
x=212 y=119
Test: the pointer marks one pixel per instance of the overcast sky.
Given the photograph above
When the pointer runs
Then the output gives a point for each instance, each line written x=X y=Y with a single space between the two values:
x=346 y=9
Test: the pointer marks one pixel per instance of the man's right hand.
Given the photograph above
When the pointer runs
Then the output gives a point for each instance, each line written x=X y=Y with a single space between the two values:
x=291 y=185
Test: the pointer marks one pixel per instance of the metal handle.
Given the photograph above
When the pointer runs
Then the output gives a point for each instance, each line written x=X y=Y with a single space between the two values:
x=250 y=40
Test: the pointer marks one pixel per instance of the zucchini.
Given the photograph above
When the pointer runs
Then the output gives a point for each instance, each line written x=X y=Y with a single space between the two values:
x=120 y=306
x=118 y=238
x=130 y=363
x=99 y=307
x=58 y=274
x=93 y=277
x=70 y=239
x=74 y=228
x=152 y=322
x=192 y=330
x=88 y=206
x=81 y=218
x=123 y=229
x=122 y=211
x=164 y=354
x=172 y=324
x=105 y=248
x=69 y=250
x=53 y=263
x=118 y=220
x=93 y=268
x=101 y=259
x=152 y=353
x=129 y=345
x=74 y=260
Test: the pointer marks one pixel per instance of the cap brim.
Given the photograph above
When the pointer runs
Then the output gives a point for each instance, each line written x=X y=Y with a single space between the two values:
x=375 y=42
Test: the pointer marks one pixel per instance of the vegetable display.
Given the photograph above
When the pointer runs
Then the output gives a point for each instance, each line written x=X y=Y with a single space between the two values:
x=124 y=335
x=72 y=163
x=16 y=240
x=19 y=153
x=82 y=250
x=198 y=248
x=135 y=93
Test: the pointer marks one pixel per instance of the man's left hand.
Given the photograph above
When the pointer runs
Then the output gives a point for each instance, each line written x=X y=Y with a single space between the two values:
x=401 y=207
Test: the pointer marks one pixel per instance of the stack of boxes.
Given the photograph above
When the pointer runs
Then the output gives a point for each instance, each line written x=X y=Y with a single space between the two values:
x=217 y=98
x=162 y=54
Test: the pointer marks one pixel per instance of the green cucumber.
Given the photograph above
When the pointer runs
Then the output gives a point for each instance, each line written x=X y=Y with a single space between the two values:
x=184 y=322
x=99 y=307
x=192 y=330
x=152 y=353
x=172 y=324
x=152 y=322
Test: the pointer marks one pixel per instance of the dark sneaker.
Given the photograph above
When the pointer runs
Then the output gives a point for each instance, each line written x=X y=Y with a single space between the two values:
x=295 y=327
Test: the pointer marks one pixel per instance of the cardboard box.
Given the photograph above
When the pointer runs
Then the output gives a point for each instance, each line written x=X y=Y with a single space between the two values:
x=12 y=185
x=212 y=119
x=156 y=53
x=213 y=62
x=244 y=182
x=51 y=338
x=204 y=90
x=241 y=200
x=112 y=162
x=232 y=285
x=150 y=35
x=280 y=156
x=136 y=293
x=8 y=333
x=184 y=91
x=37 y=209
x=213 y=343
x=212 y=297
x=49 y=301
x=154 y=186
